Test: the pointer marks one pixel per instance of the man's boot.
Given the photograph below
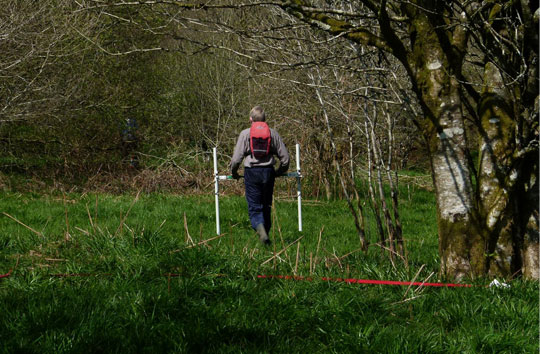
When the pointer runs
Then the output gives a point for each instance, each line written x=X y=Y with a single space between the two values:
x=263 y=236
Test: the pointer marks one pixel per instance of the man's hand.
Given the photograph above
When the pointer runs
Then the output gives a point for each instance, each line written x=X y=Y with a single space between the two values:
x=280 y=171
x=235 y=175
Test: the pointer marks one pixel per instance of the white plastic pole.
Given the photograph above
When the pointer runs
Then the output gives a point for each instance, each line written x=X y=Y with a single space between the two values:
x=216 y=190
x=298 y=187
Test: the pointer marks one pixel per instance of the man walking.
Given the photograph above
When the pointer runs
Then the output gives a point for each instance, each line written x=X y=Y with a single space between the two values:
x=257 y=146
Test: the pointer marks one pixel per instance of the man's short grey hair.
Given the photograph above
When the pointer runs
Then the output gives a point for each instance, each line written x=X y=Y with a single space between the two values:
x=257 y=114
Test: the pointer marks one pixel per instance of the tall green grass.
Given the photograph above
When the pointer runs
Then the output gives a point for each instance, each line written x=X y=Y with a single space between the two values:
x=136 y=285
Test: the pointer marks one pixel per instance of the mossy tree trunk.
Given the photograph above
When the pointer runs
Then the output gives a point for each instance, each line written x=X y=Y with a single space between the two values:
x=434 y=76
x=487 y=214
x=507 y=184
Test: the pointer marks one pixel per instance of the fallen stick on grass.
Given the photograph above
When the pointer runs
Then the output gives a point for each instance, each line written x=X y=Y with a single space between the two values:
x=414 y=279
x=199 y=243
x=23 y=224
x=283 y=250
x=123 y=219
x=207 y=240
x=188 y=236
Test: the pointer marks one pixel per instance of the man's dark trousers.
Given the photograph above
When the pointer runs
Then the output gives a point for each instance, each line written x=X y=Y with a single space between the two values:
x=259 y=183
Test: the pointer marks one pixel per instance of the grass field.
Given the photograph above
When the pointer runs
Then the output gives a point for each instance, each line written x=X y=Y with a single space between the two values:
x=103 y=273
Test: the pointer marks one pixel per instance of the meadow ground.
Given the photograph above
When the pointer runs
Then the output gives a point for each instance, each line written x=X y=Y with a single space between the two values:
x=104 y=273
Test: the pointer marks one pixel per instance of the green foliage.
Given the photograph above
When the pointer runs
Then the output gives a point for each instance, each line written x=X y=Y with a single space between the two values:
x=145 y=290
x=63 y=116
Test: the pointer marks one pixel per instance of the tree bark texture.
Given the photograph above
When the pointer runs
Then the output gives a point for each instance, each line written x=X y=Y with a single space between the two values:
x=507 y=185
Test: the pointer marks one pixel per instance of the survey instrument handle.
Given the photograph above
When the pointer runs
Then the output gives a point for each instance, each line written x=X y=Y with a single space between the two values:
x=289 y=174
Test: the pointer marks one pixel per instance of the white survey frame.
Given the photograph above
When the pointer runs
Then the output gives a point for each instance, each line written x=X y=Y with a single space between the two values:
x=297 y=175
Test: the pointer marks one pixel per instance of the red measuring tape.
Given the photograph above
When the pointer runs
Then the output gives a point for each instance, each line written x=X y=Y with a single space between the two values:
x=291 y=277
x=366 y=281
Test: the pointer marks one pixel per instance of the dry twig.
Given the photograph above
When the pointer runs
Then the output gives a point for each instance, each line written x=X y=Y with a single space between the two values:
x=283 y=250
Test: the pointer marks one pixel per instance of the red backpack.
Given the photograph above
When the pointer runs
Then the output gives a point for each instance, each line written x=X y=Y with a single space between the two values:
x=260 y=139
